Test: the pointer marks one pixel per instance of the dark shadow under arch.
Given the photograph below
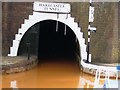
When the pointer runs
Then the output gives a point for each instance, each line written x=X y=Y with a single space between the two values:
x=42 y=40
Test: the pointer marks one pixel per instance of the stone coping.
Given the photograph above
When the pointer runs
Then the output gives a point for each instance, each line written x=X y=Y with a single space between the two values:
x=17 y=64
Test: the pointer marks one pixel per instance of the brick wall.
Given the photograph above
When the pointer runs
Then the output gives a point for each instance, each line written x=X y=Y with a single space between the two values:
x=101 y=41
x=119 y=31
x=13 y=16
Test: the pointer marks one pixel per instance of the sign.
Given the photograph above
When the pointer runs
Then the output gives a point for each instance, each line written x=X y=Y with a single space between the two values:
x=92 y=29
x=51 y=7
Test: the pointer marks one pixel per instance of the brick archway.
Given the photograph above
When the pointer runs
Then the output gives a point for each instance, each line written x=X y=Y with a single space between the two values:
x=37 y=17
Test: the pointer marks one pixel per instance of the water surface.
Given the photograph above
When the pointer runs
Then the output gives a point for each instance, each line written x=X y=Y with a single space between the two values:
x=50 y=73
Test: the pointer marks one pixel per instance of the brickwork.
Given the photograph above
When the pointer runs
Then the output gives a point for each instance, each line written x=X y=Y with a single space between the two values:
x=101 y=41
x=119 y=32
x=18 y=64
x=101 y=46
x=13 y=16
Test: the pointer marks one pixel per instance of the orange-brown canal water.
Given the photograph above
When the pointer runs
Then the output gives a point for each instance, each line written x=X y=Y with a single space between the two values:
x=50 y=73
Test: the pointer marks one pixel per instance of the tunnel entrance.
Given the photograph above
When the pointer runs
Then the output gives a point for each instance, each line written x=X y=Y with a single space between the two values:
x=44 y=41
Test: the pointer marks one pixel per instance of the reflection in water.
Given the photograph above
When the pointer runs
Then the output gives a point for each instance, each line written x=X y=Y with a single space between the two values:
x=52 y=73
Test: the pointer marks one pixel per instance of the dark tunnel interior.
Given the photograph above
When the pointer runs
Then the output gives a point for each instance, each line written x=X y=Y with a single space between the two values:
x=43 y=40
x=56 y=44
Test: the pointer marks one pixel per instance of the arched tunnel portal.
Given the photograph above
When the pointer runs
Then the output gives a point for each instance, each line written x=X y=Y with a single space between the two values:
x=44 y=39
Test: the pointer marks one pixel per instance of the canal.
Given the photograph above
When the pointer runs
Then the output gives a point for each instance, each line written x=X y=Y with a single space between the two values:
x=61 y=67
x=50 y=73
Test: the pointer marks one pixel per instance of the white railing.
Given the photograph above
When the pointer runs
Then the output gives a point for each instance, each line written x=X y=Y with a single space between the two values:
x=99 y=69
x=93 y=66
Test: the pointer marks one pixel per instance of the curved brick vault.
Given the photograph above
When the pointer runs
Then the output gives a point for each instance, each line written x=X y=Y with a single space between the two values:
x=37 y=17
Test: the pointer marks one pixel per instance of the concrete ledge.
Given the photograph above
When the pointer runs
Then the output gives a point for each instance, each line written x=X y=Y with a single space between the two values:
x=104 y=68
x=93 y=72
x=17 y=64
